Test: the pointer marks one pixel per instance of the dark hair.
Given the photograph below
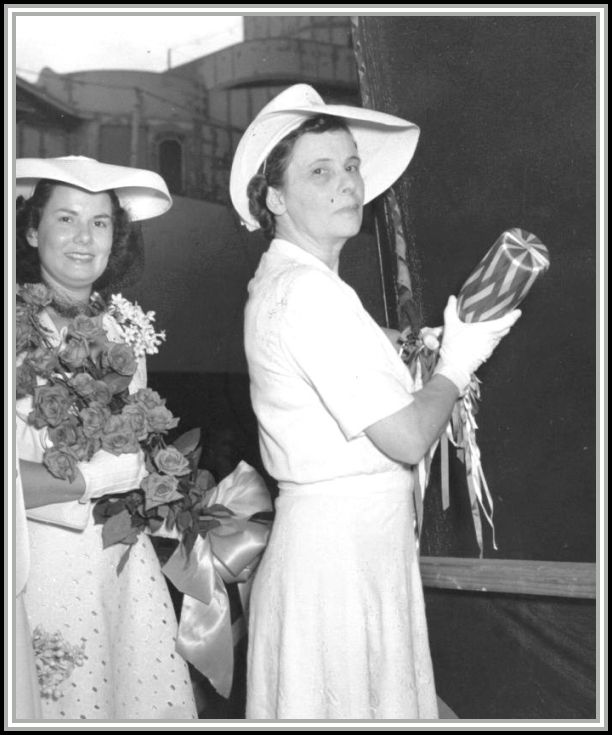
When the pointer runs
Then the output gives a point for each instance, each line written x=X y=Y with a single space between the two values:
x=126 y=259
x=272 y=171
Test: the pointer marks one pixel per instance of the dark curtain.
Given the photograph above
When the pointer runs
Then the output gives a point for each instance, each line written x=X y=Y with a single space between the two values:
x=507 y=107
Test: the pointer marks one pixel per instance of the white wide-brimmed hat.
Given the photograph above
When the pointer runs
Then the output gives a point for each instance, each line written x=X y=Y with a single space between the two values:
x=385 y=143
x=142 y=193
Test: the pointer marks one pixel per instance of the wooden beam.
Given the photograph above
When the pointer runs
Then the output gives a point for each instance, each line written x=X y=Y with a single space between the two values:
x=519 y=577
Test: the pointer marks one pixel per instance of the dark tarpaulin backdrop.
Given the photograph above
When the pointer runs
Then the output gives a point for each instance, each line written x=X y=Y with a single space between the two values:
x=506 y=107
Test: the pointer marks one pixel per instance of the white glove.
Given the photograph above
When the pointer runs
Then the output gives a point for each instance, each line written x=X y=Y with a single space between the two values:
x=106 y=474
x=466 y=346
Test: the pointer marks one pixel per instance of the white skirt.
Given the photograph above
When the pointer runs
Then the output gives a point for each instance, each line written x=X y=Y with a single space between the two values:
x=337 y=624
x=125 y=622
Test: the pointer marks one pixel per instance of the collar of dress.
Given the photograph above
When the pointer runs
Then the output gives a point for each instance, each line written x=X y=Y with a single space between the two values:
x=287 y=249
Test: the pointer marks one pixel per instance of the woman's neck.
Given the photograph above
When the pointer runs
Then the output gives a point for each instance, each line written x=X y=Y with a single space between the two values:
x=327 y=252
x=66 y=305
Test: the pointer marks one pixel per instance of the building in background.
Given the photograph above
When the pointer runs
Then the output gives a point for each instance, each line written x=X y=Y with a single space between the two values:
x=45 y=125
x=186 y=122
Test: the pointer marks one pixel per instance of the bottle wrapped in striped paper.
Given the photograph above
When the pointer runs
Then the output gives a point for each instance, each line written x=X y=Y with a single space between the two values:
x=503 y=277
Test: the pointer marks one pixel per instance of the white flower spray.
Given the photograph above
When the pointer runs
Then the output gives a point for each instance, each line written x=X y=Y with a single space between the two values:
x=137 y=327
x=55 y=661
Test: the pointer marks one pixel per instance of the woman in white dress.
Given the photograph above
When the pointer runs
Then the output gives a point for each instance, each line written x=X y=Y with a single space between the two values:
x=74 y=234
x=337 y=624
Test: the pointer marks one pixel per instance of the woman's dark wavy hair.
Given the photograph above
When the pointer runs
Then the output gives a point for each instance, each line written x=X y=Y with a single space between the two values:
x=126 y=259
x=272 y=171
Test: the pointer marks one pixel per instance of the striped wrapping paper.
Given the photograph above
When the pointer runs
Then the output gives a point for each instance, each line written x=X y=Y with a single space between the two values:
x=499 y=283
x=503 y=277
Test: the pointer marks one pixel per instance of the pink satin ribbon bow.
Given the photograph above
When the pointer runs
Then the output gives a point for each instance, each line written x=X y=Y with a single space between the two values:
x=228 y=553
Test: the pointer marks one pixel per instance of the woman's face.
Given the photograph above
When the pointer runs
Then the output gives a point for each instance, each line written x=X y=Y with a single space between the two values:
x=74 y=239
x=322 y=193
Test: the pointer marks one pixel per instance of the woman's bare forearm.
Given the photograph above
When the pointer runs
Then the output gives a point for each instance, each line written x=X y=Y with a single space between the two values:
x=407 y=434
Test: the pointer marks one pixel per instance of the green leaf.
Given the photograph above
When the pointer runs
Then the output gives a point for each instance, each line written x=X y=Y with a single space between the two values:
x=155 y=524
x=116 y=529
x=194 y=460
x=171 y=517
x=205 y=480
x=123 y=560
x=100 y=513
x=184 y=520
x=188 y=442
x=189 y=538
x=107 y=507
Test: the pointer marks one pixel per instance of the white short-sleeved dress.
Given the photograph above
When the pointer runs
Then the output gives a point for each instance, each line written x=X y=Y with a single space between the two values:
x=126 y=622
x=337 y=621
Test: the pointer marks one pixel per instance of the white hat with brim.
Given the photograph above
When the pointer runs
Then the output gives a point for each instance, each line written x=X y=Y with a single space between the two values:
x=143 y=194
x=385 y=143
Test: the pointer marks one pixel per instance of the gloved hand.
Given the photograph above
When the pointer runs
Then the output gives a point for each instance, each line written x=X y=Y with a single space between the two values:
x=106 y=474
x=466 y=346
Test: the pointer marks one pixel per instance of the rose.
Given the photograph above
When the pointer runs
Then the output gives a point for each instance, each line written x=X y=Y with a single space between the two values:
x=159 y=490
x=137 y=416
x=74 y=354
x=36 y=294
x=71 y=438
x=120 y=358
x=25 y=333
x=51 y=405
x=43 y=361
x=101 y=393
x=65 y=433
x=117 y=383
x=118 y=436
x=94 y=418
x=147 y=397
x=85 y=447
x=86 y=328
x=171 y=461
x=160 y=420
x=83 y=384
x=60 y=463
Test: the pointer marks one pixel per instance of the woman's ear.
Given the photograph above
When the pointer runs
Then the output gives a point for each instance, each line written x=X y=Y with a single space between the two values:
x=275 y=201
x=32 y=237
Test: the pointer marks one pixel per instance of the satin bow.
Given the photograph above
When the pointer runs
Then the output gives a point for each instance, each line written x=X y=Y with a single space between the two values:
x=228 y=553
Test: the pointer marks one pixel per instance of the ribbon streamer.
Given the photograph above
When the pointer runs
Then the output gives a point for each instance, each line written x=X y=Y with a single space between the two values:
x=228 y=553
x=461 y=432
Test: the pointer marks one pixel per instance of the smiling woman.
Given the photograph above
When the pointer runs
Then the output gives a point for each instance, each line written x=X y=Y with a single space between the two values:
x=74 y=239
x=104 y=642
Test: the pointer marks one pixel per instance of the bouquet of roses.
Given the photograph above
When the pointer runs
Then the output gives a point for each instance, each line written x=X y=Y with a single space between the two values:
x=80 y=394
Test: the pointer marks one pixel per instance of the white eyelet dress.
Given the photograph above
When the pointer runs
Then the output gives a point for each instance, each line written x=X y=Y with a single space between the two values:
x=337 y=625
x=126 y=621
